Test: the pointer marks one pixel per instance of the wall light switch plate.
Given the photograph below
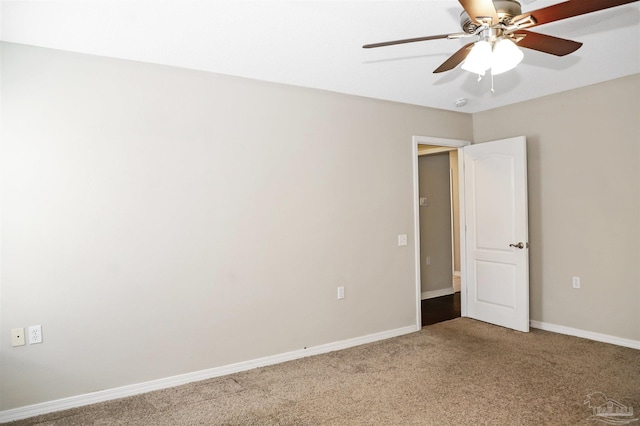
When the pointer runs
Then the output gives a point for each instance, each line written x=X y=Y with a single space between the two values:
x=17 y=337
x=402 y=239
x=423 y=201
x=576 y=282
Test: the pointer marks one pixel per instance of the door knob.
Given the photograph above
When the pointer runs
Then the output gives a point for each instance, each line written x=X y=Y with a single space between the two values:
x=520 y=245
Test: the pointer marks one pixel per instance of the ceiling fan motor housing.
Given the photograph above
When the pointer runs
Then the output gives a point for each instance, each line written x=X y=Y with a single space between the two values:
x=506 y=10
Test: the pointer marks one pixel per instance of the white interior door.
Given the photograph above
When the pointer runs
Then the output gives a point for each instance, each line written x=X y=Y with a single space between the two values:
x=496 y=237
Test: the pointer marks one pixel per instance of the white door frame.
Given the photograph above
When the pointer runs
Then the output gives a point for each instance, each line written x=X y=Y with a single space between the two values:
x=454 y=143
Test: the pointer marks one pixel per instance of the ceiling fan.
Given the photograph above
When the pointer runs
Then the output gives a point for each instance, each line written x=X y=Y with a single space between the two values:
x=501 y=26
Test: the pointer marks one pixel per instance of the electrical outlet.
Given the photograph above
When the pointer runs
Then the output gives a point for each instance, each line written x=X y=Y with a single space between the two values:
x=402 y=239
x=35 y=334
x=576 y=282
x=341 y=292
x=17 y=337
x=428 y=260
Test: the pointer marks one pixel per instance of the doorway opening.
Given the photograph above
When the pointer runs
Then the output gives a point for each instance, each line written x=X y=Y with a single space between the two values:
x=439 y=239
x=439 y=221
x=437 y=229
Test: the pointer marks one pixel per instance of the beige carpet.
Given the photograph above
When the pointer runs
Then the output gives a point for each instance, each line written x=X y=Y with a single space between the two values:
x=460 y=372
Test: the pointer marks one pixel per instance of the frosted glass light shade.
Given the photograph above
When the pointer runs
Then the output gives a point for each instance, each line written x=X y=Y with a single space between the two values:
x=478 y=61
x=506 y=55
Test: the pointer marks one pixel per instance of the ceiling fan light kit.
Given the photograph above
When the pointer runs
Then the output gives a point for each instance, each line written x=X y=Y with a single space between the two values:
x=498 y=54
x=502 y=28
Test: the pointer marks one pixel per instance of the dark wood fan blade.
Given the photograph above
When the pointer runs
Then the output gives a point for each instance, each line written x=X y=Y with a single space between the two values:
x=480 y=9
x=406 y=40
x=569 y=9
x=546 y=43
x=454 y=59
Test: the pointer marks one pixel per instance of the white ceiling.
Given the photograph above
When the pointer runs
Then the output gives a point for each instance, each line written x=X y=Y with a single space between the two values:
x=318 y=44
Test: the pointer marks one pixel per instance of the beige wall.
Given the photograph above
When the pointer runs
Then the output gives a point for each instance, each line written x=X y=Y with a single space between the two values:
x=435 y=222
x=584 y=202
x=159 y=221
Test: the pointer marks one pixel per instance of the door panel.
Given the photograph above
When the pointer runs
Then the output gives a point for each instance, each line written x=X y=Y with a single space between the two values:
x=497 y=281
x=491 y=190
x=500 y=293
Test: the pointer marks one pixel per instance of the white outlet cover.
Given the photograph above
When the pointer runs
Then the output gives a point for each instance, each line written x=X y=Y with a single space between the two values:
x=35 y=334
x=402 y=239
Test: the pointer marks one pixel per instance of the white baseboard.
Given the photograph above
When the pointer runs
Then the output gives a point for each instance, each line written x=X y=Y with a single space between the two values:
x=139 y=388
x=605 y=338
x=436 y=293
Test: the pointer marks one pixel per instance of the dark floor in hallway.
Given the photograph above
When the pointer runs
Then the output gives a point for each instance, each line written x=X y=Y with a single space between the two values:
x=440 y=309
